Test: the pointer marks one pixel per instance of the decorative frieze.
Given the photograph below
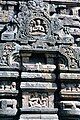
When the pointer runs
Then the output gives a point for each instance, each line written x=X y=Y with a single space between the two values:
x=38 y=116
x=72 y=76
x=13 y=74
x=39 y=67
x=40 y=60
x=47 y=76
x=38 y=85
x=37 y=100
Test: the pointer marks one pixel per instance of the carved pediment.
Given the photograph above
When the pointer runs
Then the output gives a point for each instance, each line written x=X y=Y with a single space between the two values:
x=34 y=24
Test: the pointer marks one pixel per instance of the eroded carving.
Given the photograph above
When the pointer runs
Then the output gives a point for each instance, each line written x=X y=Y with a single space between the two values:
x=9 y=53
x=38 y=85
x=75 y=87
x=39 y=67
x=70 y=76
x=10 y=33
x=36 y=99
x=8 y=107
x=38 y=27
x=6 y=86
x=47 y=76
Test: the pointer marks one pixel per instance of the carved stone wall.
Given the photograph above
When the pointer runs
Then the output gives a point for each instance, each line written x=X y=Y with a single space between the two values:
x=40 y=60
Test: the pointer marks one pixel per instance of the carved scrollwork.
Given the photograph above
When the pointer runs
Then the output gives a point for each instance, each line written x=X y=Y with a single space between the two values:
x=9 y=51
x=35 y=4
x=70 y=55
x=56 y=24
x=33 y=24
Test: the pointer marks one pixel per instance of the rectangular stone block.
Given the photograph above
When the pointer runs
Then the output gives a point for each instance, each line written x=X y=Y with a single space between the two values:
x=38 y=85
x=37 y=100
x=70 y=90
x=13 y=74
x=38 y=117
x=70 y=76
x=39 y=67
x=8 y=88
x=8 y=107
x=7 y=36
x=47 y=76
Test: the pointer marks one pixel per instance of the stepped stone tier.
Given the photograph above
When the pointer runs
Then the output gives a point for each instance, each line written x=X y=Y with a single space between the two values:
x=40 y=60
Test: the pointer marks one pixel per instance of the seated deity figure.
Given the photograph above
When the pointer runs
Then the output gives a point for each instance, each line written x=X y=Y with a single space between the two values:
x=37 y=27
x=34 y=101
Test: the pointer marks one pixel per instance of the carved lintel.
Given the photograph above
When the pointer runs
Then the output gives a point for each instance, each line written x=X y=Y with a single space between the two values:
x=39 y=67
x=12 y=74
x=47 y=76
x=70 y=76
x=38 y=85
x=39 y=116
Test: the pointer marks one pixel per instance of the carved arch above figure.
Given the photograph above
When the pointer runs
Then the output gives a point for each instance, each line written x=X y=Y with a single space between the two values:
x=70 y=54
x=34 y=24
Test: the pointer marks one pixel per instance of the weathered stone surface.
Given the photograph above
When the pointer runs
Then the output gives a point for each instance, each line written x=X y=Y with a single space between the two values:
x=72 y=76
x=47 y=76
x=38 y=85
x=8 y=54
x=8 y=107
x=12 y=74
x=69 y=109
x=39 y=67
x=37 y=100
x=40 y=59
x=39 y=116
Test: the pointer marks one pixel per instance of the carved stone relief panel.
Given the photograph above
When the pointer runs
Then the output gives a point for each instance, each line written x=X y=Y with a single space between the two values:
x=38 y=85
x=37 y=100
x=70 y=87
x=11 y=32
x=9 y=74
x=7 y=11
x=37 y=76
x=9 y=54
x=7 y=87
x=34 y=25
x=39 y=67
x=70 y=53
x=8 y=107
x=35 y=4
x=69 y=108
x=70 y=91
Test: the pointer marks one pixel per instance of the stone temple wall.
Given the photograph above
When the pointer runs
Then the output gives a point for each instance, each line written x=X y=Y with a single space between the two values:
x=40 y=60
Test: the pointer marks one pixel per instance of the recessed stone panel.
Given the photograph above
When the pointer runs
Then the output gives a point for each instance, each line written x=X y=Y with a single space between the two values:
x=37 y=100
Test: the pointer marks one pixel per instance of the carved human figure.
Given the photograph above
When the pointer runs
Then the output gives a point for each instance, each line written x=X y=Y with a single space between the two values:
x=37 y=26
x=34 y=101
